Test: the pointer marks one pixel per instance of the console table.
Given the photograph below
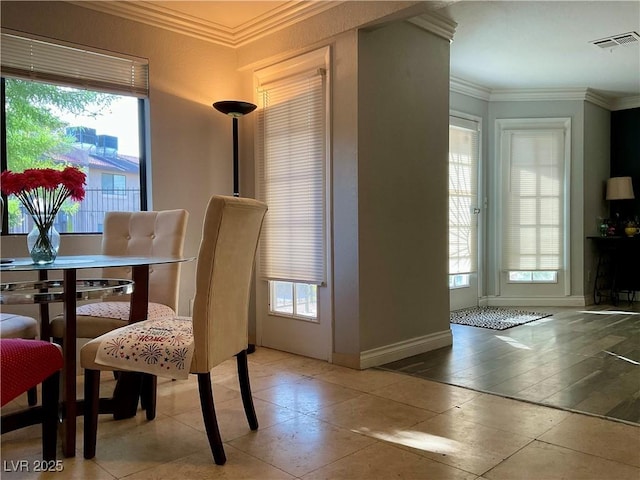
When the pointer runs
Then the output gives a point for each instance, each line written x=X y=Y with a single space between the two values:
x=618 y=269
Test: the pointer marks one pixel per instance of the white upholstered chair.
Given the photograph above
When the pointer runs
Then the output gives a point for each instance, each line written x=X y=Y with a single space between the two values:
x=159 y=233
x=219 y=324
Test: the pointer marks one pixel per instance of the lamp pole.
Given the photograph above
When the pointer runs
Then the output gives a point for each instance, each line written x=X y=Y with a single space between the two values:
x=235 y=109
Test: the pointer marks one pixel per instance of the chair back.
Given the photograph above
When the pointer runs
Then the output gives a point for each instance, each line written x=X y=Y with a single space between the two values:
x=224 y=274
x=159 y=233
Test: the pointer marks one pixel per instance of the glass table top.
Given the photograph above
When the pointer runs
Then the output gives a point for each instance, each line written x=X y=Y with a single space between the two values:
x=51 y=291
x=87 y=261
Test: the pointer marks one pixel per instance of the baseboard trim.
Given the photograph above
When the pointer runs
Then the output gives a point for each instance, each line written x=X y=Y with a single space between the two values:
x=349 y=360
x=406 y=348
x=571 y=301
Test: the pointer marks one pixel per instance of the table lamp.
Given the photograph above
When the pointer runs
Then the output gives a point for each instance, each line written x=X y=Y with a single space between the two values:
x=619 y=188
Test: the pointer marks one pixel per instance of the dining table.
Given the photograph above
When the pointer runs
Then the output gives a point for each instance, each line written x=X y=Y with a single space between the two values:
x=69 y=290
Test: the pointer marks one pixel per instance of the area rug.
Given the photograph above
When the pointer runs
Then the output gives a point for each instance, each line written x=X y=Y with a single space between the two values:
x=495 y=318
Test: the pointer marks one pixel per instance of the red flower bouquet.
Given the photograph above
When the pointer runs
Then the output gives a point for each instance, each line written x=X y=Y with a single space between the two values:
x=42 y=191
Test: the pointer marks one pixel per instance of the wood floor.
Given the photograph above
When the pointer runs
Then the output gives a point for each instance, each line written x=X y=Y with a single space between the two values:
x=582 y=359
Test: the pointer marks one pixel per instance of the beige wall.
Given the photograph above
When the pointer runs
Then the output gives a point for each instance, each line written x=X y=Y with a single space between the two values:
x=403 y=112
x=190 y=146
x=191 y=149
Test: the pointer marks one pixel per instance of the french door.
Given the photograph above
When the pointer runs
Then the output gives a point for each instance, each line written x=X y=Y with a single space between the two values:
x=464 y=211
x=294 y=311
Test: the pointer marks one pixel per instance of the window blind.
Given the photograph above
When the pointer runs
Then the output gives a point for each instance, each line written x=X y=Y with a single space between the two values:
x=77 y=66
x=291 y=178
x=533 y=224
x=463 y=195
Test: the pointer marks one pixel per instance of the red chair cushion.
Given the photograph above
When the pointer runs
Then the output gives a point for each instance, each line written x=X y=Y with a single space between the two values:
x=25 y=364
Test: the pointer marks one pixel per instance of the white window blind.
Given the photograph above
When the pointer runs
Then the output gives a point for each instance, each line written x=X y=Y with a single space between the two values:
x=534 y=205
x=463 y=195
x=291 y=177
x=37 y=59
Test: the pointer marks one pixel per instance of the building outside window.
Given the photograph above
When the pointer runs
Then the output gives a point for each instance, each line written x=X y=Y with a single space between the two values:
x=113 y=184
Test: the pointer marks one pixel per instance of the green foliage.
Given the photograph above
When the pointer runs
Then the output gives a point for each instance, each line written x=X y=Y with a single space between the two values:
x=34 y=131
x=15 y=218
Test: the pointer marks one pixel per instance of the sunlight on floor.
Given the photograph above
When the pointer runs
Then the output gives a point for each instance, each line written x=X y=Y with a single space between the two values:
x=414 y=439
x=609 y=312
x=513 y=342
x=539 y=321
x=621 y=357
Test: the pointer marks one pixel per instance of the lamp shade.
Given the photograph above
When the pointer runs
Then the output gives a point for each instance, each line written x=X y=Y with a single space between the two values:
x=619 y=188
x=234 y=108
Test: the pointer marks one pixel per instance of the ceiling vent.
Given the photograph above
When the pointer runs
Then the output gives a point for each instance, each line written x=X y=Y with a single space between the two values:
x=624 y=39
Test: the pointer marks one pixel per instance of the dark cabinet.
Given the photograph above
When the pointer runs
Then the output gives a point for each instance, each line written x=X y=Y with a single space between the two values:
x=618 y=270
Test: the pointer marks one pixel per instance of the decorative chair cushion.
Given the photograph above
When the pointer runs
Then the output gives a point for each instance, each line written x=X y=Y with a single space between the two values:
x=25 y=364
x=120 y=310
x=162 y=347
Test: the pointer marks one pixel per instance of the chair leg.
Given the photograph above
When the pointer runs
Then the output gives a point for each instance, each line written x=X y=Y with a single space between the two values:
x=91 y=401
x=50 y=393
x=209 y=416
x=32 y=396
x=245 y=390
x=148 y=395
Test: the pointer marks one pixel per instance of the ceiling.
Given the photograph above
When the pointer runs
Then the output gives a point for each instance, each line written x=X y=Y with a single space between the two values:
x=498 y=45
x=545 y=45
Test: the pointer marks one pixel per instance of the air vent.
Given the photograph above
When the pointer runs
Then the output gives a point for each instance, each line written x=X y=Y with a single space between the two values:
x=624 y=39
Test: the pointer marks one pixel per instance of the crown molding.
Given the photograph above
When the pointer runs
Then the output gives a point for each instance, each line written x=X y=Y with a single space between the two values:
x=470 y=89
x=435 y=23
x=545 y=94
x=159 y=16
x=626 y=103
x=551 y=94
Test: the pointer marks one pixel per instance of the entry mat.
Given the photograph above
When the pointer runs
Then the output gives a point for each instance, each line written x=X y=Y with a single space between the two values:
x=494 y=318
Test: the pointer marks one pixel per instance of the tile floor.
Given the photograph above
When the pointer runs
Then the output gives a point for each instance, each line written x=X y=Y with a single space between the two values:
x=321 y=421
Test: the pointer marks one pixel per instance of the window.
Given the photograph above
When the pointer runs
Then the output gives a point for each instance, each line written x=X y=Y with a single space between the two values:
x=292 y=158
x=535 y=161
x=298 y=300
x=459 y=281
x=67 y=105
x=463 y=196
x=533 y=277
x=113 y=184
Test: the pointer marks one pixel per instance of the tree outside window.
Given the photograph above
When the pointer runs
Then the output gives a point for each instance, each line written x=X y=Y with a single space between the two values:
x=52 y=126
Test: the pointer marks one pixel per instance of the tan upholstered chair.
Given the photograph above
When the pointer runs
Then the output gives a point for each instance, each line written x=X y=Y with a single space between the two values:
x=18 y=326
x=158 y=233
x=220 y=316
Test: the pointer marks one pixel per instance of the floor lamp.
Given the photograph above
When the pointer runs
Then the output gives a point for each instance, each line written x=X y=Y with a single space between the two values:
x=235 y=109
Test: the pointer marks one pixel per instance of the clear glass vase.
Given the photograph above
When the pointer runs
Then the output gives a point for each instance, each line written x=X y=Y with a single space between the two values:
x=43 y=244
